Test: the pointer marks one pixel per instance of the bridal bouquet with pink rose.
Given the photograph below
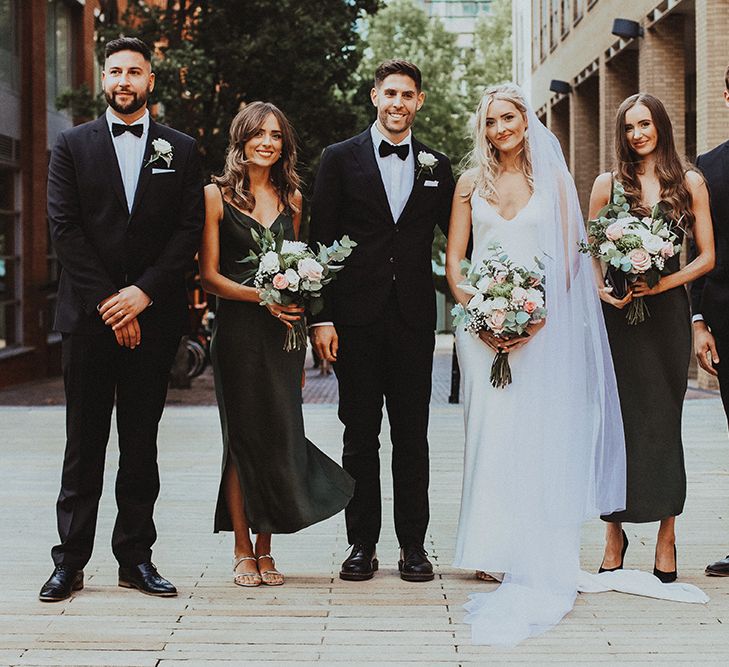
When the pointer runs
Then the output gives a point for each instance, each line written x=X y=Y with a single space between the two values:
x=631 y=248
x=291 y=273
x=506 y=299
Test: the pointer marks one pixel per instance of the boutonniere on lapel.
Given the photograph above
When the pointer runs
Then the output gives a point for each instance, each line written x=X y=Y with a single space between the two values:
x=162 y=151
x=426 y=162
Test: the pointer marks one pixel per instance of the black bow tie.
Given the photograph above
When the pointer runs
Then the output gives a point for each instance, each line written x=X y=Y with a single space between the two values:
x=117 y=129
x=386 y=148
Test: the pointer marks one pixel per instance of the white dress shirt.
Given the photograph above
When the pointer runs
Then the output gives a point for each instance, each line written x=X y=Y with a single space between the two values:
x=398 y=176
x=129 y=153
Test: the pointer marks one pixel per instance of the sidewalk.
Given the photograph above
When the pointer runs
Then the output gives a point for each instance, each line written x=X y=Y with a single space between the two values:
x=316 y=617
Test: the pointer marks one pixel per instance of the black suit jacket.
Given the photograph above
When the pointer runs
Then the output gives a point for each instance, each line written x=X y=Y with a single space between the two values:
x=102 y=246
x=710 y=293
x=349 y=198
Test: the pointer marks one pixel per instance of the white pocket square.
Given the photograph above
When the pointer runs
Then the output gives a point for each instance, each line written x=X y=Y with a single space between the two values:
x=155 y=170
x=430 y=184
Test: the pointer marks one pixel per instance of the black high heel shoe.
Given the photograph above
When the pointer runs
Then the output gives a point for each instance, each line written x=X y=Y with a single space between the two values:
x=622 y=558
x=667 y=577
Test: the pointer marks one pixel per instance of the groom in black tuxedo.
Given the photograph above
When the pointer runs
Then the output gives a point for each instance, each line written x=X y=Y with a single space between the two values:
x=387 y=191
x=710 y=294
x=125 y=208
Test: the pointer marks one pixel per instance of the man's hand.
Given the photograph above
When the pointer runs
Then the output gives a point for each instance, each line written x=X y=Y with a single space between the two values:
x=121 y=308
x=129 y=335
x=326 y=341
x=705 y=347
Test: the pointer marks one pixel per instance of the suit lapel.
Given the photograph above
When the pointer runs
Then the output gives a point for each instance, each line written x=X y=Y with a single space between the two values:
x=417 y=182
x=145 y=173
x=364 y=154
x=108 y=156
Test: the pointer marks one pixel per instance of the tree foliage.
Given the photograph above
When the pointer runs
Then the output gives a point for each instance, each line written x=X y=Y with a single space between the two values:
x=215 y=55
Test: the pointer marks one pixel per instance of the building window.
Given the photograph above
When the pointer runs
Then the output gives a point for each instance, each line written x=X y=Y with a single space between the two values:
x=9 y=260
x=535 y=33
x=554 y=24
x=544 y=28
x=578 y=9
x=565 y=17
x=10 y=44
x=59 y=50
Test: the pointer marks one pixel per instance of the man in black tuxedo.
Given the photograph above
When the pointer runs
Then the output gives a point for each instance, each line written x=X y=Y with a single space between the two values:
x=387 y=191
x=710 y=294
x=125 y=208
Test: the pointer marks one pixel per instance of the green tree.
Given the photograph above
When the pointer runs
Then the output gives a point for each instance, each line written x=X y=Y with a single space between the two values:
x=489 y=61
x=402 y=29
x=218 y=54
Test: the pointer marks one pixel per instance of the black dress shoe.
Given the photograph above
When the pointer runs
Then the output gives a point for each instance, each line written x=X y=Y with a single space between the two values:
x=667 y=577
x=414 y=564
x=61 y=584
x=144 y=577
x=622 y=558
x=718 y=569
x=361 y=564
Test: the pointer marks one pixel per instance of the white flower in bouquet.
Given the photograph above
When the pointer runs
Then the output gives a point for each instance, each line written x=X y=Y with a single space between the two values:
x=518 y=295
x=615 y=231
x=500 y=303
x=606 y=247
x=667 y=250
x=517 y=280
x=280 y=282
x=294 y=248
x=653 y=244
x=269 y=262
x=476 y=300
x=309 y=269
x=293 y=279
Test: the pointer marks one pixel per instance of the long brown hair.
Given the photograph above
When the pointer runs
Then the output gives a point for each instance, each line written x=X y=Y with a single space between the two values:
x=670 y=169
x=235 y=181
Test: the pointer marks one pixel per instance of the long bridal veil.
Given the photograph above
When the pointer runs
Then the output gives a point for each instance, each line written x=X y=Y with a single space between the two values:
x=572 y=430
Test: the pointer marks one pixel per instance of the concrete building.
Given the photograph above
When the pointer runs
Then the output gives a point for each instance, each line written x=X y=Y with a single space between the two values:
x=680 y=56
x=458 y=16
x=46 y=47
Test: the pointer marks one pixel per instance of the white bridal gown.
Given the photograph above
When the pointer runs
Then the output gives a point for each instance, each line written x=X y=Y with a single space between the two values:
x=526 y=478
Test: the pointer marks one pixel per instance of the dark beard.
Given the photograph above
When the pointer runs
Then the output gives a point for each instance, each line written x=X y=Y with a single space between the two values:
x=137 y=102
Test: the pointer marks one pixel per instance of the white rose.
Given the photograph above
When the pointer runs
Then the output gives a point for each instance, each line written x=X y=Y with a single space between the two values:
x=500 y=303
x=606 y=247
x=310 y=269
x=293 y=279
x=293 y=247
x=653 y=244
x=535 y=296
x=517 y=279
x=161 y=146
x=427 y=159
x=269 y=262
x=518 y=294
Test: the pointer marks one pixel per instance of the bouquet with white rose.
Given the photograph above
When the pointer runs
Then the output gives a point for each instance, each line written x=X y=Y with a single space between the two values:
x=631 y=248
x=290 y=273
x=506 y=299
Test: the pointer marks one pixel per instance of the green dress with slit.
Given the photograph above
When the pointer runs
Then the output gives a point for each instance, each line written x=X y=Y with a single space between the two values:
x=287 y=483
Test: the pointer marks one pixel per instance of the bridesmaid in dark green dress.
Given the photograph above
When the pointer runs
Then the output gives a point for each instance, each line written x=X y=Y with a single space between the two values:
x=651 y=358
x=274 y=480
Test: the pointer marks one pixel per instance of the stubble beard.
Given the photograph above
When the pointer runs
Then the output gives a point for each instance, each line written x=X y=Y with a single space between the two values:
x=384 y=121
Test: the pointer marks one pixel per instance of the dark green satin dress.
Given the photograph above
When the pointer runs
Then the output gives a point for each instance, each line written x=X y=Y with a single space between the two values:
x=651 y=362
x=287 y=483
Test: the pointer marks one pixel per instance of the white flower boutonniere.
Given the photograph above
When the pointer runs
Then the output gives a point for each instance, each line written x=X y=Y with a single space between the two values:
x=426 y=162
x=162 y=151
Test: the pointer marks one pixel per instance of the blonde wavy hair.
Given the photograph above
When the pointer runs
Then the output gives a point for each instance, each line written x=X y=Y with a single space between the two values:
x=484 y=157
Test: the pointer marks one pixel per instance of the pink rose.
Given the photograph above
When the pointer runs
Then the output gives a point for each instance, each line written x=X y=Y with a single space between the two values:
x=614 y=231
x=667 y=250
x=280 y=281
x=496 y=320
x=310 y=269
x=530 y=307
x=640 y=259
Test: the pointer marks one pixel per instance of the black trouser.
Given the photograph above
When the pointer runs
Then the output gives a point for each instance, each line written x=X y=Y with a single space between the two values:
x=96 y=370
x=722 y=348
x=391 y=361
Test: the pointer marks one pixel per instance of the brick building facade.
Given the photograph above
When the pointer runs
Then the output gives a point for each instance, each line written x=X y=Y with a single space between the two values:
x=680 y=57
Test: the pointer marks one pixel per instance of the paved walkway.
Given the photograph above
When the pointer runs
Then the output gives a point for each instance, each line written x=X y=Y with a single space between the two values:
x=315 y=616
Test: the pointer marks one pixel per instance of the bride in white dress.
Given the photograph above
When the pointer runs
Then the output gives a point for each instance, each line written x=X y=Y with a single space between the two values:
x=546 y=452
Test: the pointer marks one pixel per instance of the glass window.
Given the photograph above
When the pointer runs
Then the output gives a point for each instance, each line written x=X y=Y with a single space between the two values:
x=9 y=44
x=9 y=261
x=578 y=9
x=565 y=16
x=544 y=28
x=59 y=50
x=554 y=31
